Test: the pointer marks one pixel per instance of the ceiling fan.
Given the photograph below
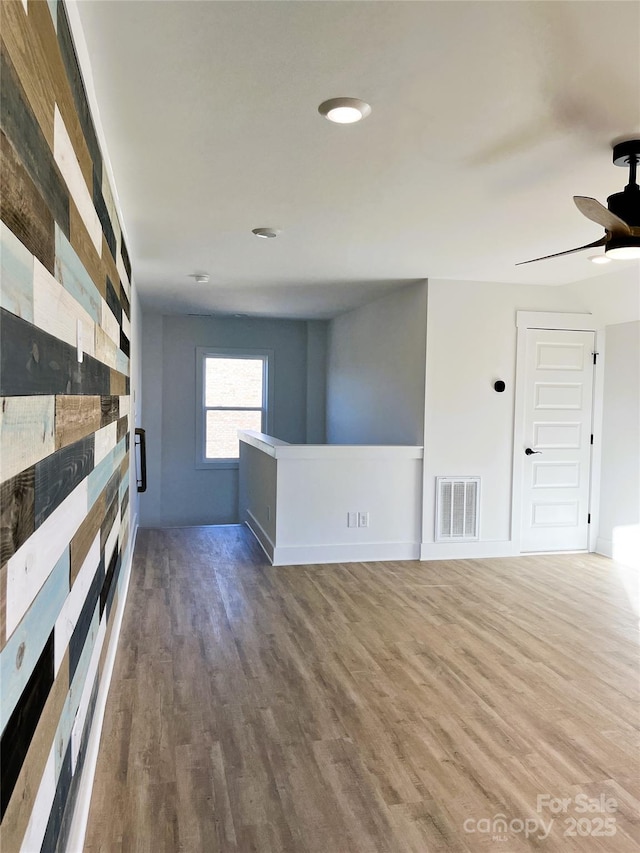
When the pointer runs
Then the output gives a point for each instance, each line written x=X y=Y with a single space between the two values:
x=620 y=218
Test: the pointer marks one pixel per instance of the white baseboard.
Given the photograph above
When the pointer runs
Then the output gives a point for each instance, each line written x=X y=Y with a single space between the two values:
x=604 y=547
x=624 y=548
x=466 y=550
x=371 y=552
x=80 y=818
x=297 y=555
x=264 y=540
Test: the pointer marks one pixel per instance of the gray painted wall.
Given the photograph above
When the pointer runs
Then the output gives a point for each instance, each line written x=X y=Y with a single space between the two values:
x=178 y=493
x=376 y=371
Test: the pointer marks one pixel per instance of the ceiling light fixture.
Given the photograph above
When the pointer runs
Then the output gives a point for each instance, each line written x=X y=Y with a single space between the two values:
x=344 y=110
x=267 y=233
x=625 y=252
x=200 y=277
x=599 y=259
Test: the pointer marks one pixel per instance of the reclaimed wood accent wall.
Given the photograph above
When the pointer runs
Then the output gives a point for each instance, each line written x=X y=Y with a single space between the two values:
x=65 y=297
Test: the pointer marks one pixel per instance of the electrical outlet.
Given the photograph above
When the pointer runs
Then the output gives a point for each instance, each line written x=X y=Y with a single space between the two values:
x=352 y=519
x=363 y=519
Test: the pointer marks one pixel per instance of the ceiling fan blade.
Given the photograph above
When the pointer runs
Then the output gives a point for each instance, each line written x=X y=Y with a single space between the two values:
x=601 y=242
x=596 y=212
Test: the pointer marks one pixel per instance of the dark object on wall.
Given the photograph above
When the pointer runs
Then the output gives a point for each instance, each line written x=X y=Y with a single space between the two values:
x=141 y=460
x=499 y=386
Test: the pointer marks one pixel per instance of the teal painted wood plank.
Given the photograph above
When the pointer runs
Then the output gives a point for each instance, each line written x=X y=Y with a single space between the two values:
x=124 y=485
x=21 y=653
x=16 y=276
x=72 y=702
x=53 y=8
x=72 y=275
x=122 y=363
x=101 y=474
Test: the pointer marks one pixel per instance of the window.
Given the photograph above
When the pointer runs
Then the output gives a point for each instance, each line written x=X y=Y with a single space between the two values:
x=233 y=395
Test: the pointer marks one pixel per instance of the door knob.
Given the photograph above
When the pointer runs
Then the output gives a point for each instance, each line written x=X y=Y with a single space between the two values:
x=530 y=452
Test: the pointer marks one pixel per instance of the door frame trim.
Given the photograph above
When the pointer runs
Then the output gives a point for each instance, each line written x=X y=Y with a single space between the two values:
x=555 y=321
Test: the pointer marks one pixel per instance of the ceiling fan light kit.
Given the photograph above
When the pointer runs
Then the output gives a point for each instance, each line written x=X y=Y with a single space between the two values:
x=621 y=217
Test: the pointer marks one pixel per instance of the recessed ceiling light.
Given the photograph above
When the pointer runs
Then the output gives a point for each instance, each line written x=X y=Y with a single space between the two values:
x=267 y=233
x=599 y=259
x=344 y=110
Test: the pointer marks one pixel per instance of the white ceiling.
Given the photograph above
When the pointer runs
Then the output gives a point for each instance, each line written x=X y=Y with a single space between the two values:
x=487 y=118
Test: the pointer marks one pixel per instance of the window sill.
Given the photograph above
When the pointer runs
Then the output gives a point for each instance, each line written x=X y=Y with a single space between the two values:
x=204 y=465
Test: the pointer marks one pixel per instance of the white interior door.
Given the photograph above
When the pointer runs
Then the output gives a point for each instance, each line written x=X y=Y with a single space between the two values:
x=556 y=454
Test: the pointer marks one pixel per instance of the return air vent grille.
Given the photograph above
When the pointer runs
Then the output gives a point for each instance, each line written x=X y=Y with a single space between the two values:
x=457 y=508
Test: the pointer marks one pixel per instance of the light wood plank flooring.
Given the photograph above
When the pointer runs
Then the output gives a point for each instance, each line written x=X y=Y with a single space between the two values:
x=368 y=707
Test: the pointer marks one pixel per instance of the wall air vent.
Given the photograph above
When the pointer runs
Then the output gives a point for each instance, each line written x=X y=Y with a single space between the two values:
x=457 y=509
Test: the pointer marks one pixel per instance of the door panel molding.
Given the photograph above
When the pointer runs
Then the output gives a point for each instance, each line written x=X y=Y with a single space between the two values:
x=557 y=321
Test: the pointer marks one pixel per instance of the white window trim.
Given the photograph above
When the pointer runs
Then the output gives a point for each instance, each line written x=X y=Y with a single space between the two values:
x=201 y=461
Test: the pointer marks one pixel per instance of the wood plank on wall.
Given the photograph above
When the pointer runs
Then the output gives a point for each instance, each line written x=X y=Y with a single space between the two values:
x=83 y=246
x=27 y=59
x=119 y=385
x=105 y=441
x=20 y=807
x=19 y=730
x=51 y=66
x=110 y=408
x=26 y=137
x=105 y=349
x=70 y=170
x=17 y=515
x=74 y=604
x=33 y=562
x=25 y=646
x=85 y=535
x=57 y=205
x=70 y=272
x=16 y=275
x=35 y=362
x=70 y=61
x=76 y=416
x=23 y=209
x=27 y=432
x=58 y=475
x=56 y=311
x=103 y=214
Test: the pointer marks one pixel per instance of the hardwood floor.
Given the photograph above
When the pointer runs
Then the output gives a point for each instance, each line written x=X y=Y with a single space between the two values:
x=368 y=707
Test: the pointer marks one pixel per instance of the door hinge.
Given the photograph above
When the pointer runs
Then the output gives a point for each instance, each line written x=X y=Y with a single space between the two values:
x=595 y=357
x=589 y=519
x=591 y=438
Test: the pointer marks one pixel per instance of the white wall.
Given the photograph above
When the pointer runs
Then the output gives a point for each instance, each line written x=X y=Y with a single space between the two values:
x=315 y=496
x=375 y=373
x=619 y=530
x=297 y=498
x=613 y=297
x=471 y=342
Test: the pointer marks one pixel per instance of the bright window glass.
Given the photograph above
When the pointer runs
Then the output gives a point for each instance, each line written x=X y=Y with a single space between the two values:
x=234 y=398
